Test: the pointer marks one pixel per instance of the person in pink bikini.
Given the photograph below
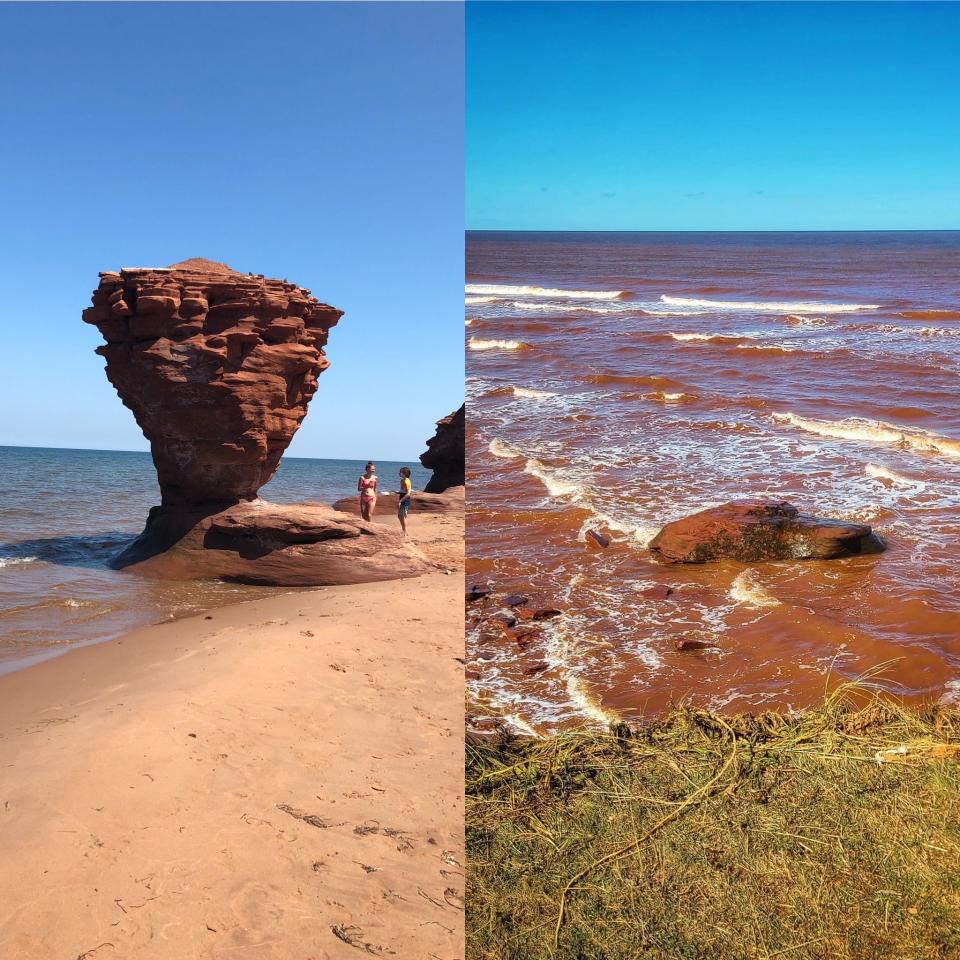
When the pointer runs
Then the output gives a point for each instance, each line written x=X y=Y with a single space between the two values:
x=367 y=485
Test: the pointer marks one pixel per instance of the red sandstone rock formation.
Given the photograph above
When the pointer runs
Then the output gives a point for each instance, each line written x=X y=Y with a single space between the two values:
x=218 y=368
x=755 y=530
x=302 y=544
x=445 y=454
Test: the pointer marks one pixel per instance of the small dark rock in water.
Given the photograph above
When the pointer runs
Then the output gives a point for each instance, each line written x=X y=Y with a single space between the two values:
x=516 y=600
x=756 y=530
x=657 y=593
x=547 y=614
x=538 y=667
x=507 y=619
x=524 y=638
x=599 y=538
x=477 y=592
x=689 y=644
x=486 y=655
x=472 y=675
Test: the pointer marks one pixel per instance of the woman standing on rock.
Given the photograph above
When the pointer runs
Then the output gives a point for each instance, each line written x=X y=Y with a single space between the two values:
x=367 y=485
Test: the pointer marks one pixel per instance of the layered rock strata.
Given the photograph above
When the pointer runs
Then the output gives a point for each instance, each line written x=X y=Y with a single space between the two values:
x=218 y=368
x=445 y=454
x=756 y=530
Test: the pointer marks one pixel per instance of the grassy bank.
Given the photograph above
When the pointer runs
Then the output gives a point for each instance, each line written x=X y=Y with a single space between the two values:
x=700 y=837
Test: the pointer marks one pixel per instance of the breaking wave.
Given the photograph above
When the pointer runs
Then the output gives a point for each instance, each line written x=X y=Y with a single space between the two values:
x=510 y=290
x=529 y=394
x=13 y=561
x=890 y=476
x=475 y=344
x=503 y=450
x=556 y=483
x=769 y=306
x=746 y=590
x=875 y=431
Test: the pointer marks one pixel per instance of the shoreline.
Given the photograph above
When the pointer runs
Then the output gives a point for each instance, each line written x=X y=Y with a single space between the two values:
x=278 y=777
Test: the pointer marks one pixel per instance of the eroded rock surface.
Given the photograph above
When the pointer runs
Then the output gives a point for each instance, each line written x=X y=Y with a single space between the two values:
x=217 y=366
x=445 y=453
x=756 y=530
x=303 y=544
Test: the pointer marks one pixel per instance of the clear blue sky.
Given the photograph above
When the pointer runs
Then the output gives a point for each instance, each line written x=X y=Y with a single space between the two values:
x=713 y=116
x=318 y=142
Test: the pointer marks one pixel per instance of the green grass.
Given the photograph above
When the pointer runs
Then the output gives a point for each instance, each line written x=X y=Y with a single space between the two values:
x=698 y=837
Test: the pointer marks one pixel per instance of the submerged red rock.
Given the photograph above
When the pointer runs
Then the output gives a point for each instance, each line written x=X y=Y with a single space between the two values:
x=445 y=453
x=756 y=530
x=218 y=368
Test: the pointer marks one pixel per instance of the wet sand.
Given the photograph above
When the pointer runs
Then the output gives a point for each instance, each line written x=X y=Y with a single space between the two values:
x=277 y=779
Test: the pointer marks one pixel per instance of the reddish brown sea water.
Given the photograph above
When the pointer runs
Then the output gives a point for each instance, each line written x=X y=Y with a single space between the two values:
x=619 y=381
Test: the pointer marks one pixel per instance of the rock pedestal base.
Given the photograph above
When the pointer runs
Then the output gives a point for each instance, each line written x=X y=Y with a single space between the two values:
x=304 y=544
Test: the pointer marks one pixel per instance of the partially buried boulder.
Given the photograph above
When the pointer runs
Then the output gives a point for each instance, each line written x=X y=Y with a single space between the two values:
x=445 y=453
x=756 y=530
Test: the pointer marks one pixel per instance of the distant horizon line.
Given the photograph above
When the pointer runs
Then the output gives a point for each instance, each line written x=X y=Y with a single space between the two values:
x=871 y=230
x=361 y=460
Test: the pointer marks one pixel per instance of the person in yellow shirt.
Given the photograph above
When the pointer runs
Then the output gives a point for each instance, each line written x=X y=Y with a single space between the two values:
x=405 y=497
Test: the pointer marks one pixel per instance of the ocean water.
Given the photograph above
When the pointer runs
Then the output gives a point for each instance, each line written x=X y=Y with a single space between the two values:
x=619 y=381
x=65 y=513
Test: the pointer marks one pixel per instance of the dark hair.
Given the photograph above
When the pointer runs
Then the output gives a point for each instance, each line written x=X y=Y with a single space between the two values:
x=370 y=464
x=405 y=471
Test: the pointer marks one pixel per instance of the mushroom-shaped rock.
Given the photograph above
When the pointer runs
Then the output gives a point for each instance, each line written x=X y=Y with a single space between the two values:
x=756 y=530
x=218 y=368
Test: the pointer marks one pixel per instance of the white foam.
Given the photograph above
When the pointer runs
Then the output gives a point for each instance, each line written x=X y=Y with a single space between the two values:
x=556 y=483
x=769 y=306
x=468 y=322
x=503 y=450
x=746 y=590
x=13 y=561
x=472 y=301
x=529 y=394
x=875 y=431
x=685 y=337
x=475 y=344
x=660 y=397
x=589 y=705
x=510 y=290
x=884 y=473
x=640 y=533
x=561 y=656
x=520 y=725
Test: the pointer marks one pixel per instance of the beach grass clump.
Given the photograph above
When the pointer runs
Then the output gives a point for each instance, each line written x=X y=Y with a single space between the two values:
x=830 y=833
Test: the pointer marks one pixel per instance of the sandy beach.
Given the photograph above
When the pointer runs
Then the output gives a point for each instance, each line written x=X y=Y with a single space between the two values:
x=281 y=778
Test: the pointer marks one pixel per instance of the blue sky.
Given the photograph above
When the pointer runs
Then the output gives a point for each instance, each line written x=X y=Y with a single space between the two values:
x=713 y=116
x=318 y=142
